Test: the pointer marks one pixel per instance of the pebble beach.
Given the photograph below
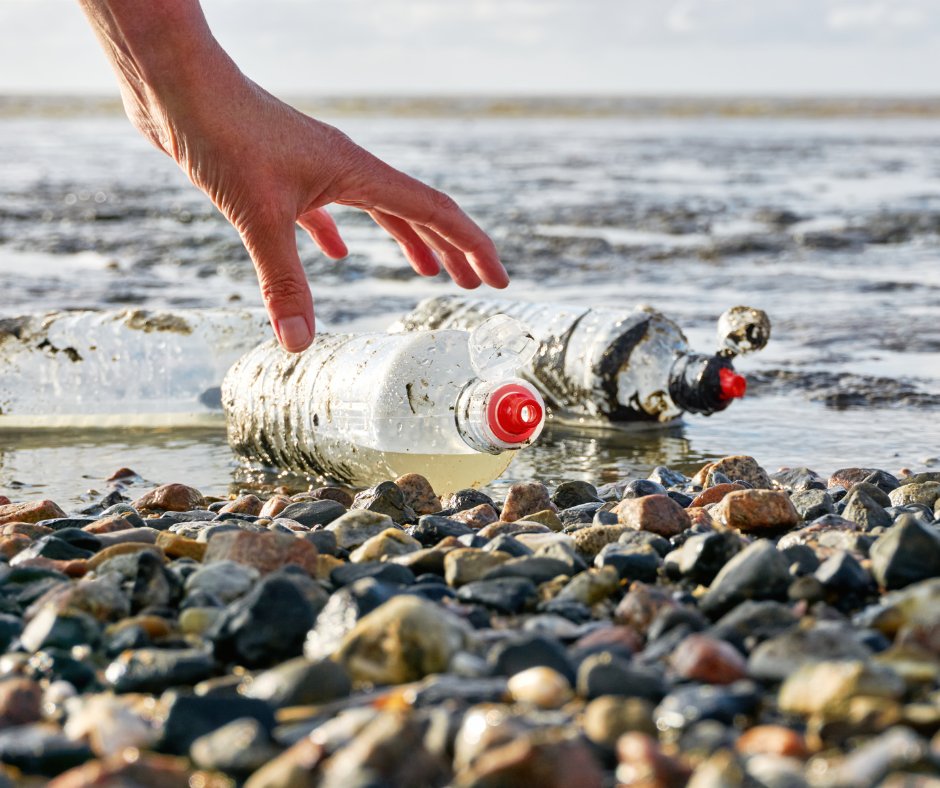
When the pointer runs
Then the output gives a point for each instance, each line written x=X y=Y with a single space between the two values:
x=740 y=627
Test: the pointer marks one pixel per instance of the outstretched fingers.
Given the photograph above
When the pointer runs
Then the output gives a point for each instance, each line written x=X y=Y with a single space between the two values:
x=322 y=229
x=421 y=257
x=284 y=287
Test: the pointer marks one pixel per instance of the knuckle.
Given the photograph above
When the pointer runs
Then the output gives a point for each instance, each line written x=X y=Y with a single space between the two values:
x=281 y=287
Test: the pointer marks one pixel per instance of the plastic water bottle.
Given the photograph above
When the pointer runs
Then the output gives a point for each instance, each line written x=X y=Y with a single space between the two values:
x=363 y=408
x=611 y=365
x=121 y=368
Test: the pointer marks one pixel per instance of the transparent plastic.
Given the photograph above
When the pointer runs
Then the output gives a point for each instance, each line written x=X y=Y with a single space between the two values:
x=603 y=365
x=121 y=368
x=369 y=407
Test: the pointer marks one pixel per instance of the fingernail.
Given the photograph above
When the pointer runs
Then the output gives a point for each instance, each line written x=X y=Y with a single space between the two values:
x=294 y=333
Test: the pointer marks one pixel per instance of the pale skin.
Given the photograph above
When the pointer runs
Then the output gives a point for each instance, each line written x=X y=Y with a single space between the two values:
x=267 y=166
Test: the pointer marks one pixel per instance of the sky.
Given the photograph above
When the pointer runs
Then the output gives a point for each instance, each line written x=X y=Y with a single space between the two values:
x=340 y=47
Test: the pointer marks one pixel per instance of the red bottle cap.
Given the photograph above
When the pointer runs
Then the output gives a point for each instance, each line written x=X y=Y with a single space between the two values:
x=513 y=413
x=731 y=383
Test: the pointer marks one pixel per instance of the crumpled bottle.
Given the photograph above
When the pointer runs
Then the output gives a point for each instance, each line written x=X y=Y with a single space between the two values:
x=362 y=408
x=612 y=366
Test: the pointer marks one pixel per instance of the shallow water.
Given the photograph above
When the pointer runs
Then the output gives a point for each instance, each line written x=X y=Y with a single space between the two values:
x=830 y=225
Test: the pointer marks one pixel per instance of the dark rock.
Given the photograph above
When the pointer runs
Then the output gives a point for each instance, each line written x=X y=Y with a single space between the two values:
x=313 y=513
x=757 y=572
x=40 y=749
x=10 y=628
x=660 y=544
x=801 y=558
x=264 y=627
x=605 y=517
x=238 y=748
x=861 y=508
x=324 y=541
x=157 y=669
x=799 y=479
x=702 y=556
x=379 y=570
x=687 y=617
x=907 y=553
x=812 y=503
x=873 y=491
x=341 y=612
x=680 y=498
x=465 y=499
x=81 y=539
x=687 y=705
x=751 y=623
x=52 y=629
x=386 y=498
x=632 y=562
x=574 y=493
x=51 y=547
x=668 y=477
x=444 y=689
x=778 y=657
x=521 y=652
x=299 y=682
x=505 y=543
x=582 y=514
x=841 y=574
x=473 y=540
x=604 y=674
x=56 y=664
x=507 y=594
x=432 y=528
x=62 y=523
x=638 y=488
x=537 y=568
x=190 y=716
x=887 y=482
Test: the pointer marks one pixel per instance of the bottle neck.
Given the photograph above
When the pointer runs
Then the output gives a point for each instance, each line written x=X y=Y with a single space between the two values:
x=494 y=417
x=704 y=384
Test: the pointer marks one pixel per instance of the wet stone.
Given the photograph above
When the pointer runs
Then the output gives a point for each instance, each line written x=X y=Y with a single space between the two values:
x=525 y=651
x=862 y=509
x=418 y=494
x=525 y=498
x=688 y=705
x=574 y=493
x=812 y=503
x=29 y=512
x=477 y=517
x=924 y=493
x=734 y=468
x=639 y=488
x=386 y=498
x=668 y=477
x=907 y=553
x=799 y=479
x=655 y=513
x=702 y=556
x=463 y=500
x=52 y=629
x=715 y=494
x=581 y=514
x=299 y=682
x=506 y=594
x=632 y=562
x=702 y=658
x=313 y=513
x=604 y=674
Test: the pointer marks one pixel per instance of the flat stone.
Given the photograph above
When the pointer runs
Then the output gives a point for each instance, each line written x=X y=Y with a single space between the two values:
x=299 y=682
x=329 y=493
x=505 y=594
x=356 y=527
x=798 y=479
x=385 y=571
x=157 y=669
x=603 y=674
x=658 y=514
x=418 y=494
x=824 y=686
x=574 y=493
x=477 y=517
x=784 y=654
x=537 y=568
x=403 y=640
x=465 y=565
x=29 y=512
x=243 y=504
x=757 y=511
x=525 y=498
x=313 y=513
x=546 y=517
x=925 y=493
x=715 y=494
x=264 y=551
x=170 y=498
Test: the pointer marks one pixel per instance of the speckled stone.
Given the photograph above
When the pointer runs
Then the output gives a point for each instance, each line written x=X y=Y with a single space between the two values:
x=176 y=546
x=757 y=511
x=418 y=493
x=29 y=512
x=170 y=498
x=546 y=517
x=264 y=551
x=925 y=493
x=714 y=494
x=736 y=468
x=591 y=540
x=476 y=517
x=526 y=498
x=243 y=504
x=658 y=514
x=274 y=506
x=465 y=565
x=386 y=498
x=358 y=526
x=388 y=544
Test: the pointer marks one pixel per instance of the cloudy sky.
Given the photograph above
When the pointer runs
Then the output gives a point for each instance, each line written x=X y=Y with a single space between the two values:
x=532 y=46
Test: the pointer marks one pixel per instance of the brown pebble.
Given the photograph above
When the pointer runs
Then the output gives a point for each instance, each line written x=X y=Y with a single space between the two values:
x=31 y=530
x=621 y=637
x=757 y=511
x=772 y=740
x=658 y=514
x=176 y=546
x=418 y=493
x=243 y=504
x=738 y=467
x=20 y=702
x=846 y=477
x=590 y=540
x=703 y=658
x=170 y=498
x=274 y=506
x=109 y=525
x=641 y=604
x=29 y=512
x=546 y=762
x=526 y=498
x=337 y=494
x=122 y=473
x=124 y=548
x=4 y=501
x=608 y=717
x=641 y=762
x=714 y=494
x=701 y=518
x=135 y=767
x=265 y=551
x=156 y=627
x=477 y=517
x=13 y=545
x=513 y=529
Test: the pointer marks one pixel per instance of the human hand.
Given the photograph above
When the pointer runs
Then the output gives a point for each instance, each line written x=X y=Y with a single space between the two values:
x=267 y=166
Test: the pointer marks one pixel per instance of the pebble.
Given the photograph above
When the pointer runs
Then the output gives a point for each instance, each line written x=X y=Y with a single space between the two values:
x=758 y=572
x=632 y=562
x=609 y=717
x=240 y=747
x=29 y=512
x=574 y=493
x=525 y=498
x=386 y=498
x=863 y=509
x=478 y=517
x=760 y=512
x=656 y=513
x=503 y=594
x=157 y=669
x=819 y=687
x=703 y=658
x=356 y=527
x=418 y=494
x=906 y=553
x=388 y=544
x=465 y=565
x=735 y=468
x=170 y=498
x=715 y=494
x=541 y=687
x=299 y=682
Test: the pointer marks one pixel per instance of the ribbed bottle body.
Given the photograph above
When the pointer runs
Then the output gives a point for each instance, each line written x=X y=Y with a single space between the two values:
x=120 y=368
x=592 y=363
x=360 y=408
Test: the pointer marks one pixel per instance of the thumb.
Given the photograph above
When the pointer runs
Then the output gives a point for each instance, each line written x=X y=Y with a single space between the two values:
x=283 y=283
